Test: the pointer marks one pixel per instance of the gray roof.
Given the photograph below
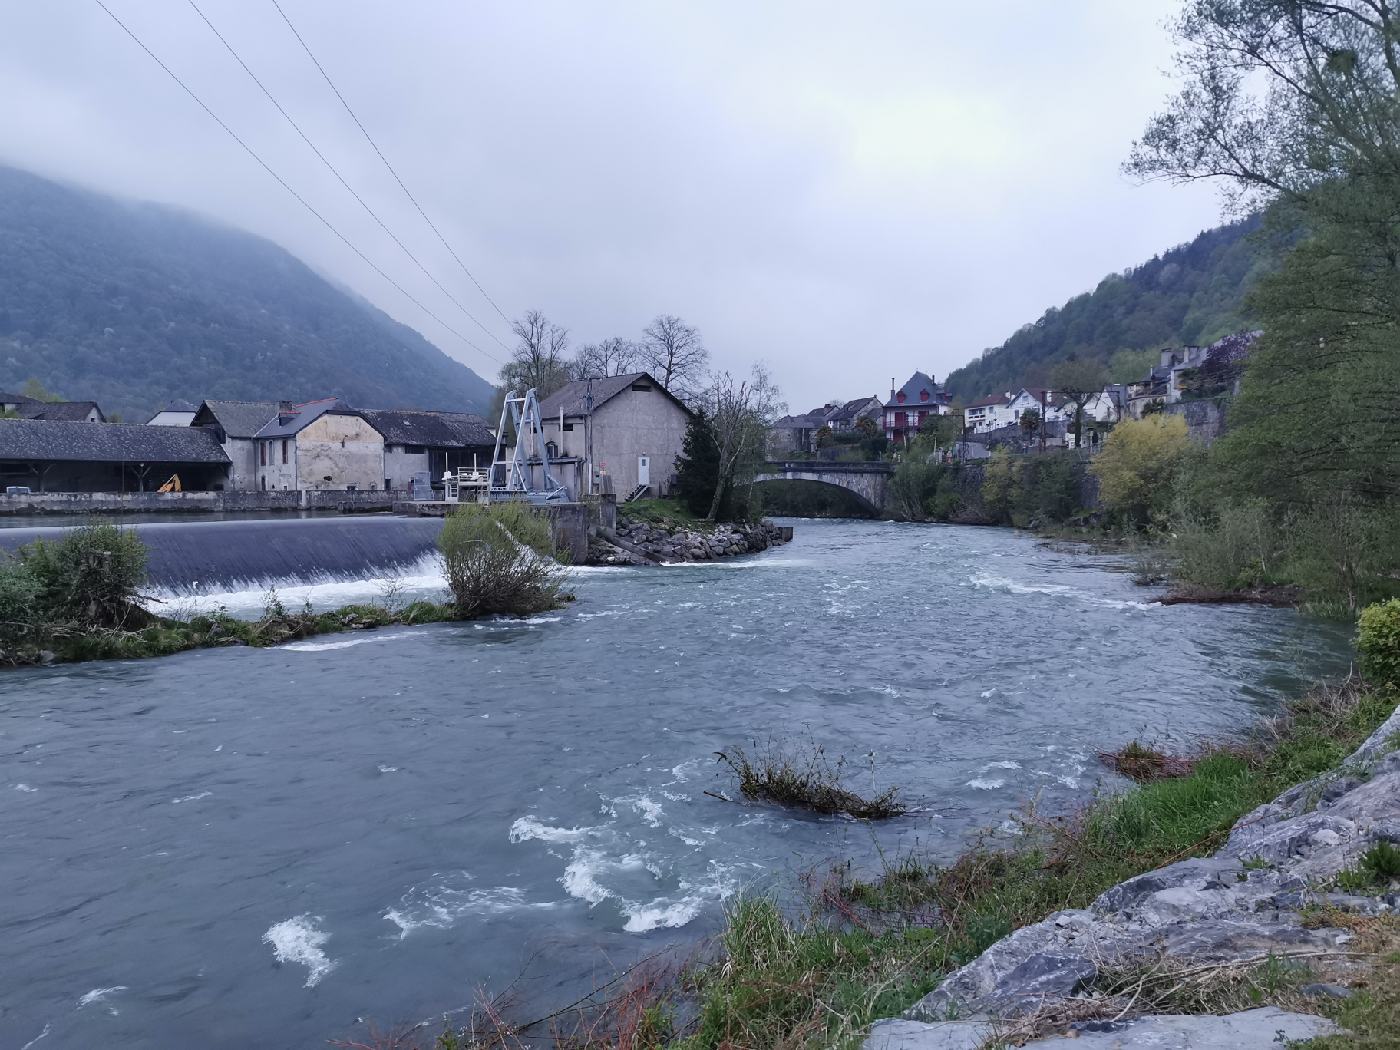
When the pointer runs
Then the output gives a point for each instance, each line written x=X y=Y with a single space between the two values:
x=7 y=398
x=431 y=429
x=572 y=397
x=66 y=411
x=179 y=406
x=240 y=419
x=917 y=383
x=840 y=413
x=812 y=420
x=295 y=419
x=47 y=439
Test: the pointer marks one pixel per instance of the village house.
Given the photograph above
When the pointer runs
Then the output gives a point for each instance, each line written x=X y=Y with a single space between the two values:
x=911 y=405
x=24 y=407
x=319 y=445
x=174 y=414
x=988 y=413
x=234 y=424
x=627 y=429
x=74 y=456
x=1048 y=404
x=841 y=419
x=434 y=443
x=790 y=434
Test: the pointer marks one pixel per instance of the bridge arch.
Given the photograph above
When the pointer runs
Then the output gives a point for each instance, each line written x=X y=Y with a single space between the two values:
x=862 y=500
x=868 y=482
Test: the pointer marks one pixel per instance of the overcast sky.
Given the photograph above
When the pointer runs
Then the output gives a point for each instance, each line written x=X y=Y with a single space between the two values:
x=848 y=191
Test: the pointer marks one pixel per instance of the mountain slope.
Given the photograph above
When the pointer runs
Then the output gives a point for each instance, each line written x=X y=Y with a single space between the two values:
x=135 y=304
x=1192 y=294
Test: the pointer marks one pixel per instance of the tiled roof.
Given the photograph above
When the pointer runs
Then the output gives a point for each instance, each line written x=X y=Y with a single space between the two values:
x=572 y=398
x=294 y=420
x=431 y=429
x=47 y=439
x=241 y=419
x=994 y=399
x=62 y=411
x=15 y=399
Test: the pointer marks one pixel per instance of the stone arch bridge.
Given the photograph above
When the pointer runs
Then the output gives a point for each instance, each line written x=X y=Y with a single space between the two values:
x=868 y=481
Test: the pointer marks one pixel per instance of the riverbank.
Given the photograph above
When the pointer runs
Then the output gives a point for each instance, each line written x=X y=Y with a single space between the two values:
x=1259 y=875
x=651 y=532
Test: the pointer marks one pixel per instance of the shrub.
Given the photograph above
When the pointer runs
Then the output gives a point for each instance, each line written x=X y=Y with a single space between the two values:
x=498 y=559
x=806 y=782
x=1378 y=642
x=19 y=595
x=1238 y=548
x=1139 y=464
x=88 y=578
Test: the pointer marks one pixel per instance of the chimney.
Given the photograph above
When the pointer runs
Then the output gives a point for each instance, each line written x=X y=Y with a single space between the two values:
x=891 y=388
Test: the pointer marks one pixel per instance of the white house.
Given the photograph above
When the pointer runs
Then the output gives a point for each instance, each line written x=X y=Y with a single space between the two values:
x=1047 y=403
x=988 y=413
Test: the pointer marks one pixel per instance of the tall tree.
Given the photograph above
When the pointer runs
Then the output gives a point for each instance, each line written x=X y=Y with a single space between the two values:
x=675 y=355
x=539 y=360
x=1080 y=382
x=613 y=356
x=740 y=412
x=1298 y=102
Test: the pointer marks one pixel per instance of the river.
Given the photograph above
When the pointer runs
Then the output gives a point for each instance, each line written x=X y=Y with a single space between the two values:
x=242 y=847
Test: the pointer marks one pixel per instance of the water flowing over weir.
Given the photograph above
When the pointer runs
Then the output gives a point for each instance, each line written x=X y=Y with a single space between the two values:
x=206 y=557
x=244 y=847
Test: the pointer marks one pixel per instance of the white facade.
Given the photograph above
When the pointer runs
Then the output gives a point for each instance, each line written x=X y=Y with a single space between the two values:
x=167 y=418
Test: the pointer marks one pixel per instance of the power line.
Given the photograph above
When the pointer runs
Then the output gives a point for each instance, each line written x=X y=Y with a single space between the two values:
x=340 y=178
x=431 y=225
x=283 y=183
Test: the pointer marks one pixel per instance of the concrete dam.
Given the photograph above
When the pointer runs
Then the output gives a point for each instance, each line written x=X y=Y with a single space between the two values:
x=249 y=554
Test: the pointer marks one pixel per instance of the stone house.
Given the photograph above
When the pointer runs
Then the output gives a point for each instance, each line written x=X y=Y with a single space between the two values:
x=429 y=442
x=910 y=406
x=796 y=434
x=321 y=445
x=234 y=424
x=49 y=455
x=627 y=429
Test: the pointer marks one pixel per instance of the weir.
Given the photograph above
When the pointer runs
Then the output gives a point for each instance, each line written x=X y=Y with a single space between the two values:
x=204 y=555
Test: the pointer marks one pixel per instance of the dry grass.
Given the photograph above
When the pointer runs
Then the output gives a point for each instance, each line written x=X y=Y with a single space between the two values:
x=808 y=781
x=1143 y=764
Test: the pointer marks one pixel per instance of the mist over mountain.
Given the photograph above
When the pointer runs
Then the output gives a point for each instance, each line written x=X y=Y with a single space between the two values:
x=133 y=304
x=1191 y=294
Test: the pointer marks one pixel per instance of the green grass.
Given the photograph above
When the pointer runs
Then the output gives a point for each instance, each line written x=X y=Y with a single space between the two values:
x=820 y=977
x=668 y=512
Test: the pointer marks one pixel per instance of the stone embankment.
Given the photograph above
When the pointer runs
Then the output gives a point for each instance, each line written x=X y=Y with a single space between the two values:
x=1267 y=894
x=645 y=543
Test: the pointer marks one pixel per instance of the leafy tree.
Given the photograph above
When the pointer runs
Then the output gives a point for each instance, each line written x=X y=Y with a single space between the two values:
x=1130 y=366
x=35 y=389
x=1080 y=382
x=999 y=483
x=1030 y=421
x=1139 y=464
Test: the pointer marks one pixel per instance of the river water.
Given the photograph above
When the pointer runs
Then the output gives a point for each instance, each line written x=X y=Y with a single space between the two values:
x=241 y=848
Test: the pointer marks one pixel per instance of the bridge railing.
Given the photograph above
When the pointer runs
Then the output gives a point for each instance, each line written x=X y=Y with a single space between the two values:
x=824 y=466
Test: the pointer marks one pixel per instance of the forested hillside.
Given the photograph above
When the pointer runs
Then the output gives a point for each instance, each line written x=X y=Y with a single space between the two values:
x=1191 y=294
x=132 y=305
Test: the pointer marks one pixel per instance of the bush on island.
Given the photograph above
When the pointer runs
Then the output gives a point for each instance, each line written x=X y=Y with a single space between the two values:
x=499 y=559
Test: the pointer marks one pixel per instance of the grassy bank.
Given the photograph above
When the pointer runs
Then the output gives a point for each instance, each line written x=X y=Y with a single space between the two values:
x=868 y=947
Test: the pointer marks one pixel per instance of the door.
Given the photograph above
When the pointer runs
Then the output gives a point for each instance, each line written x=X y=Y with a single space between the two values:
x=644 y=470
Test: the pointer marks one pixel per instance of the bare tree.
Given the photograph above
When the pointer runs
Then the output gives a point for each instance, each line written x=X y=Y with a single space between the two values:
x=539 y=360
x=740 y=413
x=1081 y=382
x=675 y=355
x=614 y=356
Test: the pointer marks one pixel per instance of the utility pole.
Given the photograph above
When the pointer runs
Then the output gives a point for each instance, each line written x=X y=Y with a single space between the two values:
x=588 y=433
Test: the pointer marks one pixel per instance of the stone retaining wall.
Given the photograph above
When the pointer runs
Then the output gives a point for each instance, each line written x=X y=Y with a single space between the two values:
x=642 y=543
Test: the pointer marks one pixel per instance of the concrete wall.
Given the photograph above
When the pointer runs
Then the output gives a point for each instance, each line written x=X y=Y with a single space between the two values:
x=400 y=466
x=243 y=464
x=636 y=424
x=190 y=502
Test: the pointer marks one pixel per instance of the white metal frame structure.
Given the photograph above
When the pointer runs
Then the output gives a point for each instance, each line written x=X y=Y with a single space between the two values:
x=514 y=473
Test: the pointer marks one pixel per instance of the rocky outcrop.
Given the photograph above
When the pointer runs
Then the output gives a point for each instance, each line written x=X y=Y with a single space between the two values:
x=644 y=543
x=1243 y=905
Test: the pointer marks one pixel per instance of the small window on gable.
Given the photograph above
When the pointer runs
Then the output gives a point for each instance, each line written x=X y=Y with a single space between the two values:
x=643 y=387
x=900 y=397
x=923 y=395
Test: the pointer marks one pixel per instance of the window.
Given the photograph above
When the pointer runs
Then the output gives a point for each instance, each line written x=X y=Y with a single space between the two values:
x=900 y=397
x=416 y=450
x=643 y=387
x=923 y=395
x=262 y=453
x=568 y=426
x=284 y=451
x=551 y=450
